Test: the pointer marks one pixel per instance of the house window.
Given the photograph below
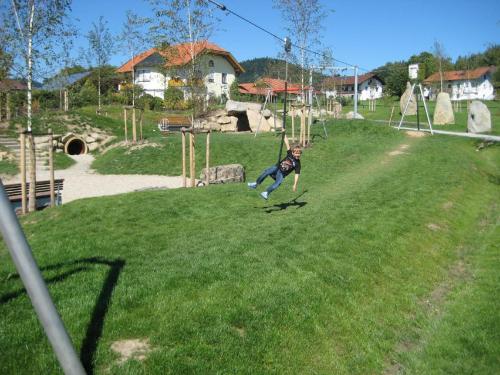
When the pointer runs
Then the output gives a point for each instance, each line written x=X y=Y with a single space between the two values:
x=143 y=75
x=211 y=77
x=224 y=78
x=211 y=63
x=449 y=85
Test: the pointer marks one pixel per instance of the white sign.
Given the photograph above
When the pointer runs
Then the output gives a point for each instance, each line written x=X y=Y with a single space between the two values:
x=413 y=71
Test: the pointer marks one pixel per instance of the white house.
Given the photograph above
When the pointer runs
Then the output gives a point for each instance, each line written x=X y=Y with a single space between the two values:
x=156 y=70
x=465 y=84
x=370 y=86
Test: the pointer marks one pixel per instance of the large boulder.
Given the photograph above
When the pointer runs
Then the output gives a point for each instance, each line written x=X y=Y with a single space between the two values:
x=257 y=122
x=350 y=115
x=443 y=113
x=412 y=105
x=223 y=174
x=234 y=108
x=479 y=118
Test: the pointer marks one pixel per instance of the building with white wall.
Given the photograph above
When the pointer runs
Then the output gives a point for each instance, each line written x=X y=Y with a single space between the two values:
x=156 y=70
x=370 y=86
x=465 y=84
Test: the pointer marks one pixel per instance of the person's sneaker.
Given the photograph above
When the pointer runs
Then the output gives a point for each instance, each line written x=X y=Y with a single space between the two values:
x=252 y=185
x=264 y=195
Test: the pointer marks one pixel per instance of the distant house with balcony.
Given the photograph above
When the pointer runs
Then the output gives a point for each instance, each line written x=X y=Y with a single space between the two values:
x=370 y=86
x=155 y=70
x=465 y=84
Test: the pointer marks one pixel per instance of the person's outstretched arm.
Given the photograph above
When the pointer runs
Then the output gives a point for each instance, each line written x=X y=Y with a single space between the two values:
x=287 y=143
x=296 y=181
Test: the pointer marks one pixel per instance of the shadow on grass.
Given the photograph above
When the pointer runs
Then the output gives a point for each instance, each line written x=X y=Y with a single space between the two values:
x=284 y=206
x=95 y=326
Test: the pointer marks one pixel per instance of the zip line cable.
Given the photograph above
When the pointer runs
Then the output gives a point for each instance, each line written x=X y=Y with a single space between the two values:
x=226 y=9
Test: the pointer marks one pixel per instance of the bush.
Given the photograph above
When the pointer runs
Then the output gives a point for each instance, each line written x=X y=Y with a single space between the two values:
x=174 y=98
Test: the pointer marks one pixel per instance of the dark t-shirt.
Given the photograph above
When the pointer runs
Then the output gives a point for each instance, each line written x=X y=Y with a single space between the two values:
x=288 y=164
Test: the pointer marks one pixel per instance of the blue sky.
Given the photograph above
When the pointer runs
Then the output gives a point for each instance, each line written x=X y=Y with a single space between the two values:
x=368 y=33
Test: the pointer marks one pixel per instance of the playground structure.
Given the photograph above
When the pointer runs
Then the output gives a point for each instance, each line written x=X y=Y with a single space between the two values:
x=192 y=154
x=131 y=109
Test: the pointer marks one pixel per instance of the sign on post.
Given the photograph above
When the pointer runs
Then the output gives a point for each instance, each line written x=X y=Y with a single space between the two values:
x=413 y=71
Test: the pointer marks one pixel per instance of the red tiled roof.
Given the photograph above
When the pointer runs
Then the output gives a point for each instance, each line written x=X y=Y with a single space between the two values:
x=458 y=75
x=180 y=54
x=250 y=88
x=12 y=84
x=348 y=80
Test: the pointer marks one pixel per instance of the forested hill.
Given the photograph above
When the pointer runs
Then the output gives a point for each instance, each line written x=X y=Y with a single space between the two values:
x=274 y=68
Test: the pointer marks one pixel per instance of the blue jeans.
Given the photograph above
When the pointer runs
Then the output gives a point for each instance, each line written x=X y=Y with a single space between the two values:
x=274 y=170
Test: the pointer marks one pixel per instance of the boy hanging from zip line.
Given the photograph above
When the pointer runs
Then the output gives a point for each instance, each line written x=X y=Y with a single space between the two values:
x=279 y=171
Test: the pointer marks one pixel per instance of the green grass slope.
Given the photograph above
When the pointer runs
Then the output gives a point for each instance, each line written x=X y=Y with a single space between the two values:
x=384 y=262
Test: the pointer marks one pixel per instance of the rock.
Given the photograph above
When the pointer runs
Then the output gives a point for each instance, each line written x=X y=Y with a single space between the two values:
x=231 y=127
x=214 y=126
x=90 y=139
x=350 y=115
x=266 y=113
x=224 y=174
x=443 y=114
x=412 y=106
x=479 y=118
x=233 y=107
x=92 y=146
x=257 y=122
x=224 y=120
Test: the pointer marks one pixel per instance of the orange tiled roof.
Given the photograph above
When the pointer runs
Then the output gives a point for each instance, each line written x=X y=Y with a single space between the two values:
x=276 y=86
x=250 y=88
x=180 y=54
x=458 y=75
x=348 y=80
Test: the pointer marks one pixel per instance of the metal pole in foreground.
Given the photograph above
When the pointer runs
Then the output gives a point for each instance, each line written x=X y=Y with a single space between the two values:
x=37 y=290
x=355 y=92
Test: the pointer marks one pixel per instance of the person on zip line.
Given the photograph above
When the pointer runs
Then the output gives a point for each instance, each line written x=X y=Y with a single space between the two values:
x=279 y=171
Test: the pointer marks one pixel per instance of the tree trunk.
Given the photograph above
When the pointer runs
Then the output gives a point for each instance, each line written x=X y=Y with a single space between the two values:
x=99 y=90
x=32 y=190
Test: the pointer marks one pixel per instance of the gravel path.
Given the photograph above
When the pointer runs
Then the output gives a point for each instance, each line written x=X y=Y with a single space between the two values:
x=82 y=182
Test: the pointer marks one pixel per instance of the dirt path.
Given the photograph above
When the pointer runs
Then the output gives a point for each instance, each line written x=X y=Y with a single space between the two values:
x=82 y=182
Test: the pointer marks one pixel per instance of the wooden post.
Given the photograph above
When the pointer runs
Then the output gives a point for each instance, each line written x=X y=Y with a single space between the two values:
x=7 y=106
x=207 y=159
x=392 y=112
x=66 y=101
x=125 y=123
x=303 y=127
x=309 y=126
x=134 y=127
x=32 y=189
x=183 y=132
x=192 y=163
x=1 y=105
x=51 y=169
x=140 y=123
x=22 y=141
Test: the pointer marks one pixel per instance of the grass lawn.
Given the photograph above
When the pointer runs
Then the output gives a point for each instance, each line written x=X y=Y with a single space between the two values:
x=8 y=168
x=386 y=260
x=384 y=108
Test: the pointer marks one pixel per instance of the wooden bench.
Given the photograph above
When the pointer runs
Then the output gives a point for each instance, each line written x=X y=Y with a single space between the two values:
x=42 y=193
x=173 y=123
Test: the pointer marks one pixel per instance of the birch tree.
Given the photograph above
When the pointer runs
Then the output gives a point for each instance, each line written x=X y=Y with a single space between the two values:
x=440 y=55
x=188 y=22
x=99 y=50
x=132 y=39
x=32 y=30
x=303 y=20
